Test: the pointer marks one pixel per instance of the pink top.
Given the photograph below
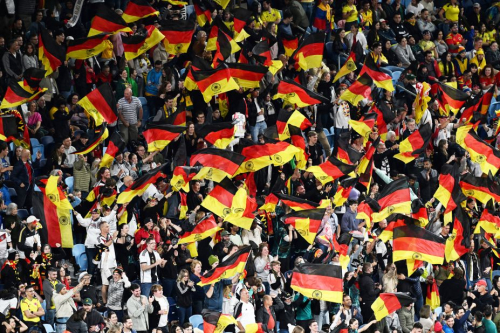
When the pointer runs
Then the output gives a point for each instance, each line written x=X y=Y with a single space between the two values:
x=35 y=118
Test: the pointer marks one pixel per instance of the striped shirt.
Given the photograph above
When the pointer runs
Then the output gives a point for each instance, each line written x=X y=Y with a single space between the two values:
x=130 y=111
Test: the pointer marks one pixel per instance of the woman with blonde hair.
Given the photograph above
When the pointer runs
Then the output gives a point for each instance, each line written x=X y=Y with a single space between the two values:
x=199 y=294
x=185 y=288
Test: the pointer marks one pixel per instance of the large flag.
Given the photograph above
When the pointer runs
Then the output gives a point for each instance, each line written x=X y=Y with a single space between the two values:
x=8 y=128
x=364 y=126
x=19 y=93
x=141 y=185
x=228 y=268
x=296 y=203
x=56 y=212
x=415 y=144
x=480 y=152
x=247 y=76
x=160 y=136
x=293 y=93
x=384 y=117
x=318 y=281
x=138 y=9
x=366 y=209
x=219 y=135
x=306 y=222
x=359 y=90
x=414 y=242
x=381 y=79
x=343 y=190
x=215 y=81
x=450 y=99
x=458 y=243
x=290 y=44
x=330 y=170
x=422 y=100
x=116 y=146
x=205 y=228
x=286 y=118
x=178 y=35
x=225 y=46
x=216 y=322
x=108 y=21
x=397 y=221
x=216 y=163
x=182 y=176
x=259 y=156
x=448 y=192
x=242 y=209
x=350 y=64
x=483 y=189
x=220 y=198
x=50 y=54
x=101 y=134
x=87 y=47
x=134 y=46
x=388 y=303
x=298 y=142
x=100 y=104
x=394 y=198
x=309 y=54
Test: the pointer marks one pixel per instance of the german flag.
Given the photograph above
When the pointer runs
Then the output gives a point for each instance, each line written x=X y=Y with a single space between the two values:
x=345 y=153
x=225 y=46
x=309 y=54
x=182 y=176
x=330 y=170
x=254 y=328
x=414 y=145
x=178 y=35
x=290 y=44
x=19 y=93
x=141 y=185
x=107 y=20
x=412 y=265
x=203 y=15
x=366 y=210
x=318 y=281
x=222 y=3
x=8 y=128
x=365 y=167
x=136 y=45
x=116 y=145
x=486 y=101
x=242 y=209
x=448 y=192
x=205 y=228
x=450 y=99
x=394 y=198
x=458 y=243
x=22 y=138
x=247 y=76
x=216 y=163
x=220 y=199
x=216 y=322
x=100 y=104
x=419 y=212
x=388 y=303
x=138 y=9
x=490 y=242
x=262 y=53
x=293 y=93
x=219 y=135
x=306 y=222
x=343 y=191
x=88 y=47
x=398 y=220
x=299 y=142
x=489 y=222
x=228 y=268
x=178 y=118
x=213 y=35
x=422 y=100
x=241 y=17
x=160 y=136
x=99 y=196
x=33 y=76
x=259 y=156
x=270 y=203
x=350 y=64
x=297 y=204
x=56 y=212
x=384 y=117
x=215 y=81
x=50 y=53
x=101 y=134
x=381 y=80
x=414 y=242
x=365 y=125
x=482 y=189
x=432 y=298
x=480 y=152
x=359 y=90
x=286 y=118
x=183 y=206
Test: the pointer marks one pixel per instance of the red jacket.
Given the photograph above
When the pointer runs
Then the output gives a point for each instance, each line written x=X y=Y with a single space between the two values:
x=144 y=234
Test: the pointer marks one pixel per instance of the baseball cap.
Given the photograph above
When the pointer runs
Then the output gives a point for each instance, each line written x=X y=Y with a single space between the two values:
x=438 y=327
x=481 y=283
x=224 y=233
x=59 y=287
x=32 y=219
x=476 y=5
x=82 y=275
x=87 y=301
x=148 y=220
x=382 y=20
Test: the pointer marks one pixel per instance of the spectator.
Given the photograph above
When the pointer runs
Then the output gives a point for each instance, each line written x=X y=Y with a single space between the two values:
x=138 y=308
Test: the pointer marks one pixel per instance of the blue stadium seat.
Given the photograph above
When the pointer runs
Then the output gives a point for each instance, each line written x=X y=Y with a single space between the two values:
x=34 y=142
x=172 y=313
x=80 y=256
x=38 y=148
x=23 y=214
x=196 y=321
x=12 y=192
x=46 y=140
x=70 y=182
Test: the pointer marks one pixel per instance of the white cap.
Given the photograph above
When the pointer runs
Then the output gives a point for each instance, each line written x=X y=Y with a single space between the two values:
x=32 y=219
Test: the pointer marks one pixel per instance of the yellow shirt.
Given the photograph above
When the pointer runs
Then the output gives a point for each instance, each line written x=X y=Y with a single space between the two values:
x=367 y=18
x=426 y=45
x=354 y=16
x=451 y=12
x=492 y=34
x=108 y=52
x=32 y=306
x=272 y=16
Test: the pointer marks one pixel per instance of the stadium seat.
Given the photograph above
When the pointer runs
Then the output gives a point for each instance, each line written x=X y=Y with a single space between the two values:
x=145 y=110
x=46 y=140
x=80 y=256
x=38 y=148
x=12 y=192
x=70 y=181
x=34 y=142
x=23 y=214
x=172 y=313
x=196 y=321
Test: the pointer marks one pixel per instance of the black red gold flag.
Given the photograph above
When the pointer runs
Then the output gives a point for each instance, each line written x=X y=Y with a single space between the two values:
x=225 y=46
x=215 y=81
x=116 y=145
x=366 y=209
x=415 y=144
x=216 y=322
x=242 y=210
x=384 y=117
x=270 y=203
x=101 y=134
x=432 y=298
x=318 y=281
x=216 y=163
x=480 y=188
x=343 y=190
x=489 y=221
x=140 y=185
x=365 y=168
x=380 y=79
x=297 y=204
x=364 y=126
x=87 y=47
x=50 y=54
x=293 y=93
x=108 y=21
x=286 y=118
x=23 y=137
x=290 y=44
x=306 y=222
x=299 y=142
x=414 y=242
x=309 y=54
x=359 y=90
x=394 y=198
x=217 y=25
x=182 y=176
x=480 y=152
x=100 y=104
x=458 y=243
x=419 y=212
x=203 y=14
x=33 y=76
x=205 y=228
x=450 y=99
x=159 y=136
x=138 y=9
x=136 y=45
x=228 y=268
x=8 y=128
x=330 y=170
x=355 y=56
x=397 y=220
x=241 y=17
x=247 y=76
x=262 y=53
x=219 y=135
x=259 y=156
x=345 y=153
x=178 y=35
x=220 y=198
x=178 y=118
x=449 y=192
x=19 y=93
x=388 y=303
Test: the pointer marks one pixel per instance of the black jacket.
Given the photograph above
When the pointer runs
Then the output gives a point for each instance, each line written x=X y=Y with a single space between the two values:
x=262 y=316
x=286 y=315
x=367 y=290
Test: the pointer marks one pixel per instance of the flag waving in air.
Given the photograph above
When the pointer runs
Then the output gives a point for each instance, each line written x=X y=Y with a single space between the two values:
x=306 y=222
x=228 y=268
x=318 y=281
x=388 y=303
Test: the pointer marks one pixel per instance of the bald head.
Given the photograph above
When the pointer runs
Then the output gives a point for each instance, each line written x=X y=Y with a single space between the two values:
x=127 y=94
x=127 y=181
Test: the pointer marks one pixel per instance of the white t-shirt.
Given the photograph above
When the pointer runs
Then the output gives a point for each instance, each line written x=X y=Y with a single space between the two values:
x=245 y=315
x=149 y=275
x=4 y=239
x=239 y=120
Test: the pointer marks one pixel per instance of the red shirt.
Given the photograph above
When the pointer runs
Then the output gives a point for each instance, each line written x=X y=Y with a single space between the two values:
x=452 y=39
x=271 y=323
x=30 y=173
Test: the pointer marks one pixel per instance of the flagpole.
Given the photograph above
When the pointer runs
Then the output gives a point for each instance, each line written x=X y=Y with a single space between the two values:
x=401 y=87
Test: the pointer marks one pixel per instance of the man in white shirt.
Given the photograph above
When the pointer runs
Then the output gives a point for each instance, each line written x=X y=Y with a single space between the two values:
x=70 y=157
x=244 y=312
x=150 y=260
x=105 y=241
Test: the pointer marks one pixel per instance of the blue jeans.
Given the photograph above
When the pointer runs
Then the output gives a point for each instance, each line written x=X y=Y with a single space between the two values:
x=146 y=289
x=168 y=287
x=418 y=305
x=184 y=314
x=308 y=8
x=61 y=324
x=91 y=253
x=50 y=315
x=257 y=129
